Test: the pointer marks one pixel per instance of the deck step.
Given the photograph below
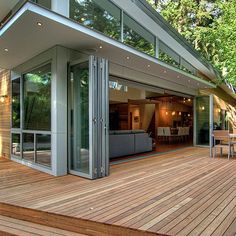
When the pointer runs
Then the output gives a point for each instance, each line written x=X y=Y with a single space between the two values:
x=16 y=220
x=11 y=226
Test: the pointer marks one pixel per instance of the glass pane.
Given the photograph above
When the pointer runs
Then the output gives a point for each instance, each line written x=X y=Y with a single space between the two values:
x=187 y=67
x=202 y=120
x=28 y=147
x=15 y=145
x=101 y=15
x=167 y=55
x=138 y=37
x=43 y=149
x=16 y=103
x=44 y=3
x=37 y=99
x=80 y=118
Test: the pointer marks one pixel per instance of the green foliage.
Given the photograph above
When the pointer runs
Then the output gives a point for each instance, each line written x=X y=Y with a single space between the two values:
x=209 y=26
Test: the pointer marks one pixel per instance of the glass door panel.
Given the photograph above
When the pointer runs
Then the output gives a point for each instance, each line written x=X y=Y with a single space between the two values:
x=87 y=116
x=203 y=120
x=79 y=93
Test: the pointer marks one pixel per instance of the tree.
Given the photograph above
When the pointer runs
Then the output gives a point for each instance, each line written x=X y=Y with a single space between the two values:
x=209 y=26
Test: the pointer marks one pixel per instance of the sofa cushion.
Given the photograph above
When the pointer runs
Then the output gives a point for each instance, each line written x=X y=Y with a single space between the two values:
x=142 y=143
x=121 y=145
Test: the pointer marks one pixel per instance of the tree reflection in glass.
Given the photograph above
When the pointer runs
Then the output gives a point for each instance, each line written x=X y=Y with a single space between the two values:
x=16 y=103
x=37 y=99
x=101 y=15
x=138 y=37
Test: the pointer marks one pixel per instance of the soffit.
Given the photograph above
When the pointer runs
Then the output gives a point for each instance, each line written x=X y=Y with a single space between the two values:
x=6 y=6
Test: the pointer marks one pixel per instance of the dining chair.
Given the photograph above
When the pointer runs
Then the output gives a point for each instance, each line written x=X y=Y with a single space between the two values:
x=167 y=133
x=160 y=133
x=181 y=133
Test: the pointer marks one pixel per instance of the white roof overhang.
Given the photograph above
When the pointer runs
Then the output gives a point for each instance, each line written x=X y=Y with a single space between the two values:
x=24 y=39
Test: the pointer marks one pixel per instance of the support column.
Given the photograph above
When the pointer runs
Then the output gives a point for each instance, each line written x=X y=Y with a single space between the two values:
x=59 y=112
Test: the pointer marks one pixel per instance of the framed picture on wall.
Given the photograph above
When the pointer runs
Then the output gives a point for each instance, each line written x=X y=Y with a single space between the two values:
x=136 y=119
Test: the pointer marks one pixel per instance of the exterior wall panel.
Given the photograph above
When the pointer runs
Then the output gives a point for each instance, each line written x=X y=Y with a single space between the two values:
x=5 y=113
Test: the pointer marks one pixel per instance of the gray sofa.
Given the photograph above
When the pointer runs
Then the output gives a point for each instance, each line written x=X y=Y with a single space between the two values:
x=128 y=142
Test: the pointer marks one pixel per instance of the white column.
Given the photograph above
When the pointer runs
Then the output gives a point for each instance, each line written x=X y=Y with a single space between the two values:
x=59 y=111
x=61 y=7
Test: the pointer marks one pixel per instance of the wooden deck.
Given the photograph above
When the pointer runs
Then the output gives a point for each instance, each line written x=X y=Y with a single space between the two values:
x=178 y=193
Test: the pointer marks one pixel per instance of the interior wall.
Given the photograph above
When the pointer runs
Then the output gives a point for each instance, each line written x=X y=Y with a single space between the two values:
x=147 y=113
x=170 y=112
x=135 y=117
x=5 y=113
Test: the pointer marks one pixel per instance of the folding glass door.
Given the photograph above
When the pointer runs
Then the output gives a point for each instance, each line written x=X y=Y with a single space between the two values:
x=88 y=118
x=203 y=120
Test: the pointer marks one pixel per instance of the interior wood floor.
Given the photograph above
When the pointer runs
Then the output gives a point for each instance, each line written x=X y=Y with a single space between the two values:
x=178 y=193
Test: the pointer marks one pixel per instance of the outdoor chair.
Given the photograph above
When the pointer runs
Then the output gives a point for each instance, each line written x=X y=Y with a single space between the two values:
x=222 y=140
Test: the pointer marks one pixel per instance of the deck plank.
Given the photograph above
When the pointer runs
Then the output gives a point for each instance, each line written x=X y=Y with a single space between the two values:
x=176 y=193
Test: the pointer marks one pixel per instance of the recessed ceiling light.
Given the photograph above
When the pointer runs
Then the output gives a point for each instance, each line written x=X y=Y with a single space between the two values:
x=6 y=49
x=127 y=58
x=39 y=24
x=178 y=76
x=164 y=71
x=100 y=46
x=197 y=84
x=148 y=66
x=189 y=80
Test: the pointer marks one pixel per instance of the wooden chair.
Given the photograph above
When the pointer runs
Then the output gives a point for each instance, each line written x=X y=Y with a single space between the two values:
x=224 y=142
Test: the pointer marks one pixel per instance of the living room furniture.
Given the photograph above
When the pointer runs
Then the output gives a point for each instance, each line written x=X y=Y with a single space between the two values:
x=128 y=142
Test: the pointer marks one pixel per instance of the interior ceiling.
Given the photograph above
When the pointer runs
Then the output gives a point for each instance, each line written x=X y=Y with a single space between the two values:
x=6 y=6
x=25 y=39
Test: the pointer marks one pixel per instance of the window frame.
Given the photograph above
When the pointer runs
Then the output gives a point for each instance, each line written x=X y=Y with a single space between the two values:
x=21 y=130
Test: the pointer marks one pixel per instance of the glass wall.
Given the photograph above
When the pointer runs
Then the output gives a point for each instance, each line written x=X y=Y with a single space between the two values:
x=37 y=99
x=16 y=145
x=137 y=36
x=28 y=147
x=33 y=89
x=16 y=95
x=44 y=3
x=107 y=18
x=202 y=120
x=43 y=149
x=168 y=55
x=101 y=15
